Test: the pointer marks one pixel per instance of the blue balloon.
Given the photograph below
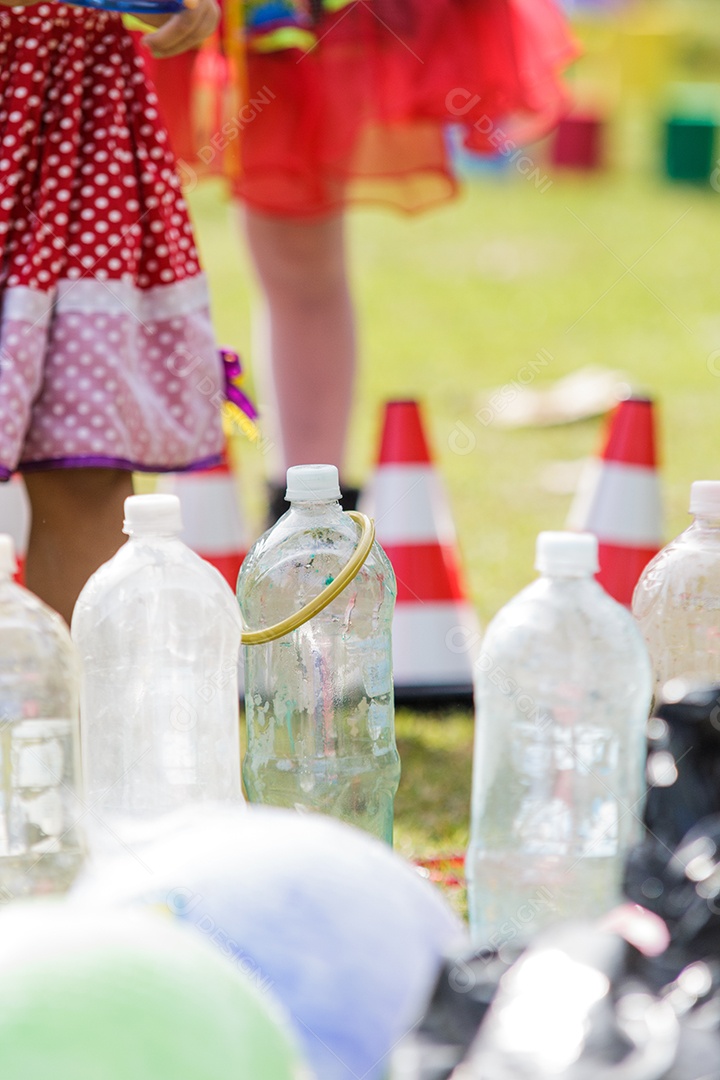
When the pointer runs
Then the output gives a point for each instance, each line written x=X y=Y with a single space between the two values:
x=343 y=931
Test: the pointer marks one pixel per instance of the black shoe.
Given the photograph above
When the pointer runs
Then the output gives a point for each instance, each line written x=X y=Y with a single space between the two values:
x=350 y=497
x=277 y=504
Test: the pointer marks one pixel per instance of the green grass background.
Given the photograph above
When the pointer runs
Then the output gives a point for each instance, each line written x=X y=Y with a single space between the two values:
x=619 y=269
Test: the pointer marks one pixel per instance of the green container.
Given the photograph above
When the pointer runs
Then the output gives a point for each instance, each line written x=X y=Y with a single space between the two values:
x=690 y=149
x=692 y=112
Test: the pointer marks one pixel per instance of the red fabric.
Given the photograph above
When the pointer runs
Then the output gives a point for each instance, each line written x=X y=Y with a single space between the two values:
x=174 y=84
x=91 y=188
x=103 y=304
x=360 y=118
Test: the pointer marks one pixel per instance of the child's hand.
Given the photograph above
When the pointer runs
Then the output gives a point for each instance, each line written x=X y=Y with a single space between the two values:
x=185 y=30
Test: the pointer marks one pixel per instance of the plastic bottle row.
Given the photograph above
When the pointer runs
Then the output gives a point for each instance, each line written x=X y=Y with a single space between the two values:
x=151 y=665
x=563 y=692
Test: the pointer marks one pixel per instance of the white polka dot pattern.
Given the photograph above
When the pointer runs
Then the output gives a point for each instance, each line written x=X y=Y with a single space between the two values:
x=102 y=296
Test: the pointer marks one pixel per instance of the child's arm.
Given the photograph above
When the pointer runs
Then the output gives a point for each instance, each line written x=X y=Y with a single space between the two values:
x=186 y=30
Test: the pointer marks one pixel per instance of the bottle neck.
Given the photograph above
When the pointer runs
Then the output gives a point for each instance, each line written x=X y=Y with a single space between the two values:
x=147 y=535
x=567 y=576
x=315 y=512
x=706 y=523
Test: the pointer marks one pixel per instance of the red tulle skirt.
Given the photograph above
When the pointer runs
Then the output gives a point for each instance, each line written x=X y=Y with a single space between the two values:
x=363 y=116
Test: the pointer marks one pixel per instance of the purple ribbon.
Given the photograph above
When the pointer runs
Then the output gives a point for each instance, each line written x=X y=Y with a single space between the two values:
x=233 y=371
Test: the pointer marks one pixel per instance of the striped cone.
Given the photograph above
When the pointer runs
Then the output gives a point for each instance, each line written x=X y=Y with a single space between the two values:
x=212 y=519
x=15 y=519
x=618 y=498
x=435 y=631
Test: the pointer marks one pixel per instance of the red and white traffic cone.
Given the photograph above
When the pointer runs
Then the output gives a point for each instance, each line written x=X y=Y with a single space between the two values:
x=213 y=522
x=618 y=498
x=435 y=630
x=15 y=519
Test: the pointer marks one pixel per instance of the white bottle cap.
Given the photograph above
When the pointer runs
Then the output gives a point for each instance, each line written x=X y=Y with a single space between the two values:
x=705 y=497
x=567 y=553
x=312 y=483
x=8 y=564
x=152 y=514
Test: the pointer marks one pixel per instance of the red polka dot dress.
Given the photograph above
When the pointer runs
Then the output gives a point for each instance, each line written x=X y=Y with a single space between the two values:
x=107 y=355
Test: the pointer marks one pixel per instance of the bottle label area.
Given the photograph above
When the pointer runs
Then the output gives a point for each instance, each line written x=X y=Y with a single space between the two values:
x=37 y=781
x=41 y=846
x=568 y=806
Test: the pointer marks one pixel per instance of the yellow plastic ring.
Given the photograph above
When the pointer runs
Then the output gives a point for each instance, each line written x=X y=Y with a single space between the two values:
x=346 y=575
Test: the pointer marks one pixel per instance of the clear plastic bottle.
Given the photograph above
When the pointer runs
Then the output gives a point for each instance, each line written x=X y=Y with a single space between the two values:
x=319 y=701
x=562 y=695
x=677 y=599
x=40 y=842
x=158 y=632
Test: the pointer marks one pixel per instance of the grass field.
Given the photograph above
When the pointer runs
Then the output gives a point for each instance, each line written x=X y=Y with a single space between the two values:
x=619 y=270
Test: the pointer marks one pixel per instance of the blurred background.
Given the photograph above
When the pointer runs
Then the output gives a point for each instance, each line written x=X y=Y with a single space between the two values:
x=593 y=255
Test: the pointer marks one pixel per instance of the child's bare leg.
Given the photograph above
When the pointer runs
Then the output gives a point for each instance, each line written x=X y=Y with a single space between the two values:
x=77 y=517
x=302 y=270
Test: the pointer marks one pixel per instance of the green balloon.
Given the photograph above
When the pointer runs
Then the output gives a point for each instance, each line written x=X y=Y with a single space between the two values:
x=129 y=996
